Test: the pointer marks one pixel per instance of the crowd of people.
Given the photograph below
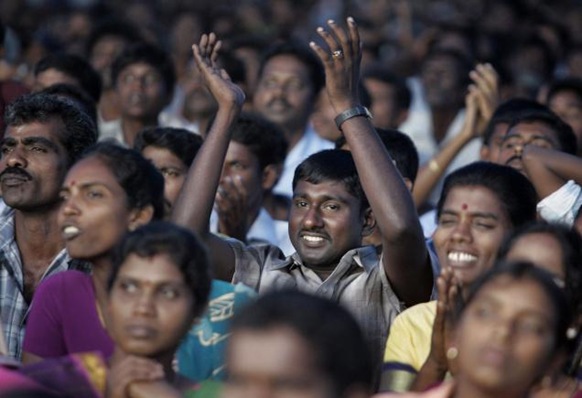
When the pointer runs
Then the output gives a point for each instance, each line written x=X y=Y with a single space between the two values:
x=314 y=198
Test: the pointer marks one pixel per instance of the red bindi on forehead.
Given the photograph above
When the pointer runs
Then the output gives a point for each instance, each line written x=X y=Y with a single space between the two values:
x=464 y=206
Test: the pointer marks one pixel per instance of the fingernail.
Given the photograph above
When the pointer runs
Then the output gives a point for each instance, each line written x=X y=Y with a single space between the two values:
x=330 y=21
x=319 y=29
x=351 y=20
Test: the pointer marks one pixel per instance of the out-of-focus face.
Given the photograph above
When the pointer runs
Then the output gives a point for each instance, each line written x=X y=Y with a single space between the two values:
x=534 y=133
x=384 y=108
x=506 y=336
x=284 y=94
x=491 y=151
x=323 y=118
x=541 y=249
x=470 y=230
x=104 y=53
x=171 y=167
x=242 y=164
x=441 y=82
x=33 y=165
x=50 y=77
x=273 y=363
x=197 y=99
x=94 y=214
x=568 y=106
x=325 y=222
x=150 y=306
x=142 y=91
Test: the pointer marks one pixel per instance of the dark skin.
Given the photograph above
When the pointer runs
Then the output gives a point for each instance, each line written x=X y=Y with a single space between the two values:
x=406 y=260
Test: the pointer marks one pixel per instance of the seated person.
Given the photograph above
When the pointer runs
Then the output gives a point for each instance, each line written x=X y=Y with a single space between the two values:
x=295 y=344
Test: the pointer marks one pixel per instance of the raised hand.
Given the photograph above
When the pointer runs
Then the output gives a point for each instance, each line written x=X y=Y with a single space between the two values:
x=448 y=290
x=485 y=87
x=341 y=61
x=215 y=78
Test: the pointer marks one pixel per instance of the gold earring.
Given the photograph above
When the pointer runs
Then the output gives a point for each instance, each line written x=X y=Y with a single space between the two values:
x=452 y=353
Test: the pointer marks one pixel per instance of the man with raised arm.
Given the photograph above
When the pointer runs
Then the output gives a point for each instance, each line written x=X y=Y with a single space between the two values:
x=331 y=212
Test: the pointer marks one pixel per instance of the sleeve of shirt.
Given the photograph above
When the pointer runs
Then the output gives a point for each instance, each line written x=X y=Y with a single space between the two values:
x=406 y=348
x=43 y=336
x=250 y=261
x=562 y=205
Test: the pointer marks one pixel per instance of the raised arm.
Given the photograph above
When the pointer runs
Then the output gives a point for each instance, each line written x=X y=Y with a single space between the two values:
x=549 y=169
x=405 y=257
x=480 y=102
x=194 y=204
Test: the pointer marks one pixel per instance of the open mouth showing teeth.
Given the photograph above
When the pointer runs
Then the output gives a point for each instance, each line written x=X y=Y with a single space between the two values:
x=461 y=257
x=313 y=238
x=70 y=232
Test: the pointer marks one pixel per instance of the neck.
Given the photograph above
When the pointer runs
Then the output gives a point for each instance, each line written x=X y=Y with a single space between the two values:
x=131 y=128
x=37 y=234
x=441 y=121
x=293 y=135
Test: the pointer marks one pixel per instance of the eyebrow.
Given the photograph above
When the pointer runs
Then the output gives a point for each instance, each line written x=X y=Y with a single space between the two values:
x=478 y=214
x=324 y=198
x=28 y=141
x=534 y=137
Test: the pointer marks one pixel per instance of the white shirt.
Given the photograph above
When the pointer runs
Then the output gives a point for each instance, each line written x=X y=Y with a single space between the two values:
x=309 y=144
x=562 y=205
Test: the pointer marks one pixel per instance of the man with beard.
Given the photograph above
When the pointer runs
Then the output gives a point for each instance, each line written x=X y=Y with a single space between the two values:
x=144 y=79
x=43 y=138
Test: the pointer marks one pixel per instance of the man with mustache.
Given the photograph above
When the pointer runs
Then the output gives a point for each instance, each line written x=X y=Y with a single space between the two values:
x=290 y=78
x=43 y=138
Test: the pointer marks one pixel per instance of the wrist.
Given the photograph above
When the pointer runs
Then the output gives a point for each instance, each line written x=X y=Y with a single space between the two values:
x=351 y=112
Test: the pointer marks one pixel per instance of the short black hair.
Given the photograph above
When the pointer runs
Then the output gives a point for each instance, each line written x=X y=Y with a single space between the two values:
x=79 y=132
x=402 y=94
x=331 y=333
x=507 y=111
x=181 y=142
x=564 y=133
x=183 y=248
x=77 y=95
x=303 y=53
x=76 y=67
x=142 y=182
x=571 y=84
x=262 y=137
x=401 y=149
x=462 y=62
x=116 y=27
x=149 y=54
x=515 y=192
x=332 y=165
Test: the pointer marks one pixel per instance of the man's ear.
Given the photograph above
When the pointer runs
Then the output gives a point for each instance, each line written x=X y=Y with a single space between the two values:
x=139 y=217
x=369 y=224
x=271 y=175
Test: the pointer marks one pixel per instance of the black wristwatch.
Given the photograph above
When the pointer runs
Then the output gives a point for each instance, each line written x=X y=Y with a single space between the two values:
x=350 y=113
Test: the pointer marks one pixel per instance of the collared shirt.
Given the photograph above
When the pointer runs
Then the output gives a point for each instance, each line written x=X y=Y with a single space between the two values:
x=13 y=306
x=309 y=144
x=358 y=282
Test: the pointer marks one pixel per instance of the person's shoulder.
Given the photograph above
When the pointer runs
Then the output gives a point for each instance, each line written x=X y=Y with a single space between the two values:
x=64 y=279
x=418 y=313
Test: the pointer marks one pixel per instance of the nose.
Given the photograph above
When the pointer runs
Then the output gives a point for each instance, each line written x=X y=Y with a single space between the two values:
x=69 y=206
x=462 y=232
x=312 y=218
x=15 y=158
x=144 y=305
